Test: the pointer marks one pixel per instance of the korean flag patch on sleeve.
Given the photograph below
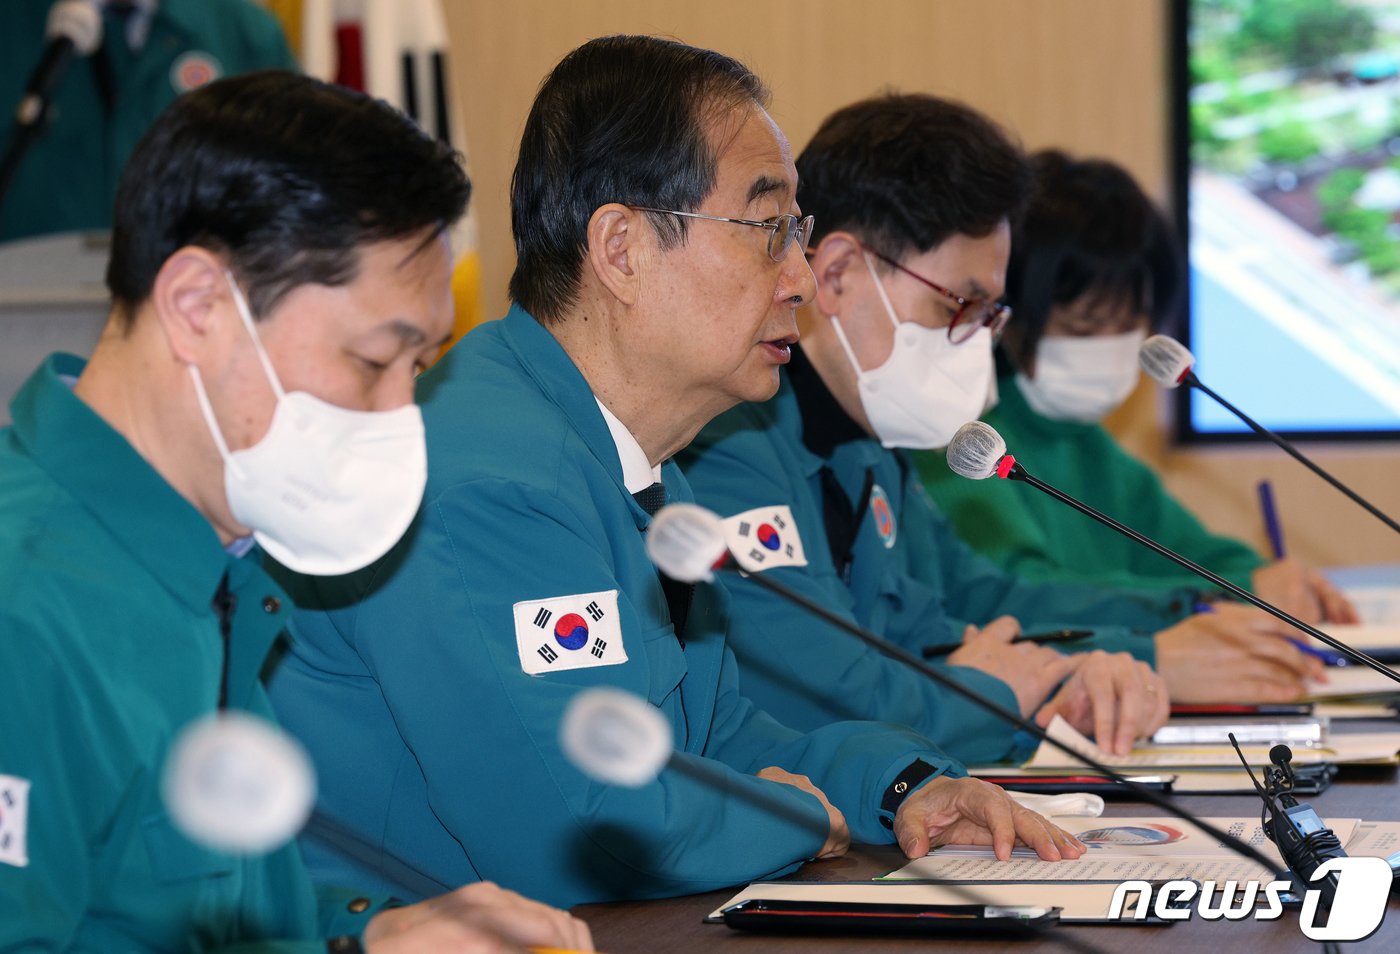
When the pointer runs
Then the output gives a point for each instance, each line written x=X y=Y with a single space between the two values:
x=765 y=538
x=14 y=820
x=569 y=632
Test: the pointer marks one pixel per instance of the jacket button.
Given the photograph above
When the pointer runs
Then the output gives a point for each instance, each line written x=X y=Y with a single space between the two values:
x=359 y=905
x=272 y=604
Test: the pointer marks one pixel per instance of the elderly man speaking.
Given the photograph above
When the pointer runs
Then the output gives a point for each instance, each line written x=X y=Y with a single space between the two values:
x=660 y=263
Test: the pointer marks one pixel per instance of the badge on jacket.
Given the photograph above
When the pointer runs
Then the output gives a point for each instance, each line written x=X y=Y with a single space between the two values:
x=884 y=515
x=569 y=632
x=765 y=538
x=14 y=820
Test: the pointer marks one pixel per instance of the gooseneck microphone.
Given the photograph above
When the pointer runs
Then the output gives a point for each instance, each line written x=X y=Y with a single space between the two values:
x=74 y=29
x=1169 y=363
x=977 y=452
x=687 y=543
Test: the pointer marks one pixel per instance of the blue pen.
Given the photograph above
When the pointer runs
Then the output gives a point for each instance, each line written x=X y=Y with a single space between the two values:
x=1329 y=657
x=1271 y=524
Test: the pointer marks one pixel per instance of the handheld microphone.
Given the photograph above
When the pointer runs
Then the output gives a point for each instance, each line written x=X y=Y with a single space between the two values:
x=687 y=543
x=977 y=451
x=74 y=29
x=1169 y=363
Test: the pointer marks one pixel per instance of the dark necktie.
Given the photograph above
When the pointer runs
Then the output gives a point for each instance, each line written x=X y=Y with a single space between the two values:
x=651 y=499
x=678 y=594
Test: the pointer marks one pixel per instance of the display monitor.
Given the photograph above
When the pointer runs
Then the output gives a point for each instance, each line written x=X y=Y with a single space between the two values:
x=1287 y=120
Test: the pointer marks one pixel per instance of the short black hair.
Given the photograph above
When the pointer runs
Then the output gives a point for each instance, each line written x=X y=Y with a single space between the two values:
x=905 y=172
x=287 y=176
x=620 y=119
x=1090 y=229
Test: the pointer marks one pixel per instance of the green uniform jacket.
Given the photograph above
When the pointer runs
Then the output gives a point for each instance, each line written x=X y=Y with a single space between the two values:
x=68 y=179
x=1030 y=533
x=439 y=754
x=908 y=579
x=109 y=647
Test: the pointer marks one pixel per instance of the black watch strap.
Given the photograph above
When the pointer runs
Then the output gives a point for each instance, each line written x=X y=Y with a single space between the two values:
x=900 y=788
x=345 y=944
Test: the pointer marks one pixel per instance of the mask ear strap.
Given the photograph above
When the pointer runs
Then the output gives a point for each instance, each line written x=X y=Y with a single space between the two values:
x=880 y=287
x=845 y=345
x=246 y=314
x=212 y=422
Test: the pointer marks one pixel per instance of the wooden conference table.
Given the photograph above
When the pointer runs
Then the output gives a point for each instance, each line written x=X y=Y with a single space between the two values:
x=675 y=924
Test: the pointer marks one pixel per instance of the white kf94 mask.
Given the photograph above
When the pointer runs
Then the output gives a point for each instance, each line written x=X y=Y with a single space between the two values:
x=327 y=490
x=928 y=387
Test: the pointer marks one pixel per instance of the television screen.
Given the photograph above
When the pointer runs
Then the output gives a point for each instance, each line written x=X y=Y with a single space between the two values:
x=1288 y=184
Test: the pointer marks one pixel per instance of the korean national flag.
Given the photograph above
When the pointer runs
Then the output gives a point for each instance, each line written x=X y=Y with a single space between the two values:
x=14 y=820
x=569 y=632
x=765 y=538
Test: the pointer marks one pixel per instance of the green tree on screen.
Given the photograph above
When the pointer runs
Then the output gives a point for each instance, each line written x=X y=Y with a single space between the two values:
x=1307 y=34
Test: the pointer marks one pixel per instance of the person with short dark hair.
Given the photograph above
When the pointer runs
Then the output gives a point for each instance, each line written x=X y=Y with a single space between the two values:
x=915 y=197
x=279 y=272
x=1095 y=267
x=659 y=265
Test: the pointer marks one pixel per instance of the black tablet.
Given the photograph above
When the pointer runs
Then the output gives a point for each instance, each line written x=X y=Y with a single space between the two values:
x=849 y=917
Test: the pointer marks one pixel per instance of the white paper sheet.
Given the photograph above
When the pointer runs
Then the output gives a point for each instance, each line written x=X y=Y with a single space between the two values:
x=1367 y=747
x=1352 y=681
x=1154 y=848
x=1375 y=604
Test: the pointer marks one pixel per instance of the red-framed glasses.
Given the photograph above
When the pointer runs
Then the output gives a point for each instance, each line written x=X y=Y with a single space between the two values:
x=972 y=313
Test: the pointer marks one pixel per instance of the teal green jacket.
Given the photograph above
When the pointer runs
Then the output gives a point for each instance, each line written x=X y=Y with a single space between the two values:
x=906 y=577
x=1031 y=534
x=68 y=179
x=438 y=752
x=109 y=647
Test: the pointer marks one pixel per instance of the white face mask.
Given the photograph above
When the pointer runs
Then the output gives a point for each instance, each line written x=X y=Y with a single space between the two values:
x=1082 y=378
x=929 y=387
x=327 y=490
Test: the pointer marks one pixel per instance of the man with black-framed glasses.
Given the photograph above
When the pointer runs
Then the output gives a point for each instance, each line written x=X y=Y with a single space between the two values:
x=914 y=198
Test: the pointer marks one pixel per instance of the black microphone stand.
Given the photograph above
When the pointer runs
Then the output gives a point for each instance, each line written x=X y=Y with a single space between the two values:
x=1014 y=718
x=1016 y=472
x=1190 y=380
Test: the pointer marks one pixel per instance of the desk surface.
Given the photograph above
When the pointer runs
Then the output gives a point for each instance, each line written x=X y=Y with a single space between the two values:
x=675 y=924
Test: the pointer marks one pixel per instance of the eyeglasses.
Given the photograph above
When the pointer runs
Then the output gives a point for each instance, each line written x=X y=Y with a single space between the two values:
x=783 y=230
x=972 y=313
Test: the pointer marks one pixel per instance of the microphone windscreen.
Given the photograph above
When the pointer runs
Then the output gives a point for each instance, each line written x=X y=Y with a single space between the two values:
x=1165 y=360
x=975 y=450
x=78 y=20
x=238 y=784
x=685 y=542
x=615 y=737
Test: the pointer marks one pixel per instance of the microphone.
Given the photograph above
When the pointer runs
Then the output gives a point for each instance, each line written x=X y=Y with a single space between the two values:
x=1169 y=363
x=977 y=451
x=74 y=30
x=618 y=738
x=238 y=783
x=615 y=737
x=688 y=539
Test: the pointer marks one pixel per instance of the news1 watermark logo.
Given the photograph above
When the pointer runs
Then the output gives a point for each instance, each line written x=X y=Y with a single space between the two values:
x=1363 y=888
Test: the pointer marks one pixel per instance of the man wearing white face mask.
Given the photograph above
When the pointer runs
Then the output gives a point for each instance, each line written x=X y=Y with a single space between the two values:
x=916 y=196
x=254 y=382
x=1094 y=269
